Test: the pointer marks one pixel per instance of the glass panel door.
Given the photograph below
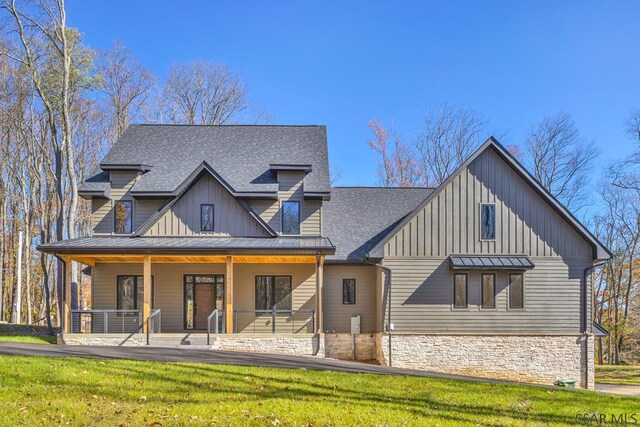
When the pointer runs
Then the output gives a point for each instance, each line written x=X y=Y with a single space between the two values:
x=202 y=294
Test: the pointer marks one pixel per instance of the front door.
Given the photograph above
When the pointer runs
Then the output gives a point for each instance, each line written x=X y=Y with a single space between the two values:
x=203 y=293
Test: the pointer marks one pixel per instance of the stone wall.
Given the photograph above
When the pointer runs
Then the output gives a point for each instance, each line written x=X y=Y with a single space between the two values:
x=299 y=345
x=526 y=358
x=129 y=340
x=340 y=346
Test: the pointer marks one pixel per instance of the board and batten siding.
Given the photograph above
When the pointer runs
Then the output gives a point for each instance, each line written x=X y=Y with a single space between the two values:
x=230 y=218
x=422 y=280
x=337 y=316
x=169 y=291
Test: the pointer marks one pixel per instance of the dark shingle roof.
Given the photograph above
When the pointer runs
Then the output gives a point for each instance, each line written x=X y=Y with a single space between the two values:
x=357 y=218
x=240 y=154
x=245 y=245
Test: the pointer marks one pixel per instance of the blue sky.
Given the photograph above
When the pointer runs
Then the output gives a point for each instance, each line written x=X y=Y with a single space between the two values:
x=344 y=63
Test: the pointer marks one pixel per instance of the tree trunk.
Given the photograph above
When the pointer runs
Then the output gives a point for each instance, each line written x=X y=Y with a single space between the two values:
x=18 y=300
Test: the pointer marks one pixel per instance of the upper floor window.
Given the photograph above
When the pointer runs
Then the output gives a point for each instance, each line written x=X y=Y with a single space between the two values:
x=206 y=218
x=290 y=217
x=348 y=291
x=123 y=218
x=460 y=290
x=488 y=221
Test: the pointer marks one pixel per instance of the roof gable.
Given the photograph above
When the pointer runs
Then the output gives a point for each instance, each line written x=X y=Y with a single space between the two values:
x=204 y=185
x=599 y=251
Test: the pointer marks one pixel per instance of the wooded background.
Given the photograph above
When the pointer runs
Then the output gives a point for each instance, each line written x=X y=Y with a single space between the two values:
x=63 y=104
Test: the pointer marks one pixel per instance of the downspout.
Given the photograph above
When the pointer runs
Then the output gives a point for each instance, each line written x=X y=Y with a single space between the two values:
x=585 y=325
x=60 y=310
x=388 y=270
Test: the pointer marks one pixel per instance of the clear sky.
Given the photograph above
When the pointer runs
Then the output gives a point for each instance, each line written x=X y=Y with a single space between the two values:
x=344 y=63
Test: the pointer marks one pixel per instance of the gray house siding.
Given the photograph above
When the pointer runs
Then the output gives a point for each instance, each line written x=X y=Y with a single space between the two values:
x=230 y=218
x=422 y=282
x=337 y=316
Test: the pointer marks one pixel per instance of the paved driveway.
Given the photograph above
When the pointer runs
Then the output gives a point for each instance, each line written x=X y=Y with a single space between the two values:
x=624 y=390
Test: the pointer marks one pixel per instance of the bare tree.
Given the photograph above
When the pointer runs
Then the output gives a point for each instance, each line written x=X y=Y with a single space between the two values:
x=203 y=93
x=450 y=134
x=561 y=159
x=127 y=84
x=396 y=161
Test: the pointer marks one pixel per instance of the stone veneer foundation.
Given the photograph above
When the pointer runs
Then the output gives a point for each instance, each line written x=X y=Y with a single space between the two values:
x=541 y=359
x=340 y=346
x=298 y=345
x=128 y=340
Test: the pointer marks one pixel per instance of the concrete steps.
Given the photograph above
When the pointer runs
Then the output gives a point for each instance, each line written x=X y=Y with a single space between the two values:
x=184 y=341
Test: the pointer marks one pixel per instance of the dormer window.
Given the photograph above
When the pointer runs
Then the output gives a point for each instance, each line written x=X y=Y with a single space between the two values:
x=123 y=217
x=290 y=217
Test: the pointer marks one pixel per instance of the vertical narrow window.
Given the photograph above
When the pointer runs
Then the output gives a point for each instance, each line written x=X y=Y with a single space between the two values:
x=516 y=291
x=273 y=292
x=488 y=291
x=290 y=217
x=131 y=293
x=348 y=291
x=460 y=290
x=488 y=221
x=123 y=216
x=206 y=218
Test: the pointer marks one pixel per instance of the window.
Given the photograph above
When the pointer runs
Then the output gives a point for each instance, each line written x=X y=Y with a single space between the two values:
x=273 y=292
x=460 y=290
x=206 y=218
x=348 y=291
x=516 y=291
x=123 y=216
x=488 y=221
x=488 y=291
x=131 y=292
x=290 y=217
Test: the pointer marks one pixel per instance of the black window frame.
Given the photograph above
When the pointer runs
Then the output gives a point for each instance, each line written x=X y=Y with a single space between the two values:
x=115 y=216
x=282 y=217
x=466 y=291
x=137 y=278
x=272 y=291
x=482 y=305
x=213 y=214
x=511 y=307
x=355 y=290
x=482 y=236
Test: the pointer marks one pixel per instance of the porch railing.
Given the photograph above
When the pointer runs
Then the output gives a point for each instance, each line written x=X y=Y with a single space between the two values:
x=105 y=321
x=274 y=321
x=216 y=318
x=154 y=323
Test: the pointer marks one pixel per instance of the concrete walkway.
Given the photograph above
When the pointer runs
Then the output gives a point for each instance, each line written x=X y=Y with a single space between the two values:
x=621 y=389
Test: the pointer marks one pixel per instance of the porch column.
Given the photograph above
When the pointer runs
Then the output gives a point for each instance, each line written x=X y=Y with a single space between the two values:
x=319 y=286
x=67 y=294
x=146 y=307
x=228 y=296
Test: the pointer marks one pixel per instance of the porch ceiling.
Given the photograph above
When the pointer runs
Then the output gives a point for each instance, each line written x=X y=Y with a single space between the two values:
x=93 y=259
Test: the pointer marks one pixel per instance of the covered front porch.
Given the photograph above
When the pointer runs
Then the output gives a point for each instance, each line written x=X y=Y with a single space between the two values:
x=215 y=294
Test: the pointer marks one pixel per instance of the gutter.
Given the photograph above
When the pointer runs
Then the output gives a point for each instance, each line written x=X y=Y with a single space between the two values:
x=585 y=325
x=388 y=270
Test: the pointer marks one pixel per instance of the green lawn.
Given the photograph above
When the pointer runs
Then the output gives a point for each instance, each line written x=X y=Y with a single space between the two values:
x=45 y=391
x=623 y=374
x=26 y=333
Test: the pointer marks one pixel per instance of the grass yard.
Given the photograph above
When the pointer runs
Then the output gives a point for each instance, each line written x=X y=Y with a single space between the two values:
x=624 y=374
x=26 y=333
x=45 y=391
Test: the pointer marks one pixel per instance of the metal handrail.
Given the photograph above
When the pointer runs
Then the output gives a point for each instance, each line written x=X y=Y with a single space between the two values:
x=215 y=314
x=105 y=316
x=154 y=313
x=273 y=313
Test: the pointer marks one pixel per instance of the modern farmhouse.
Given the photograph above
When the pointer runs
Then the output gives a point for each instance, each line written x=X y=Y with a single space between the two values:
x=232 y=237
